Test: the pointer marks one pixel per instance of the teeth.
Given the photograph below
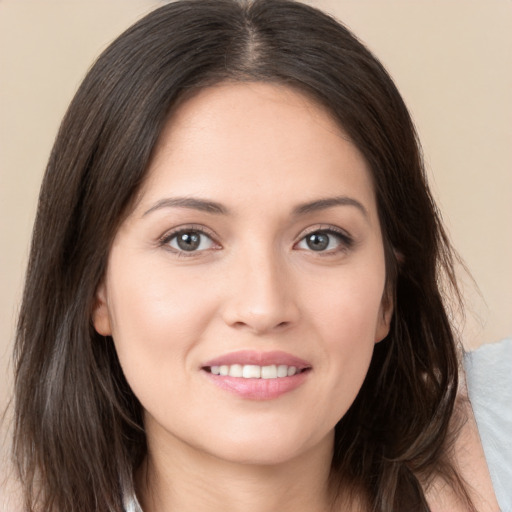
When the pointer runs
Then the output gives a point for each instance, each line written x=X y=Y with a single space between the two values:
x=236 y=370
x=252 y=371
x=269 y=372
x=282 y=370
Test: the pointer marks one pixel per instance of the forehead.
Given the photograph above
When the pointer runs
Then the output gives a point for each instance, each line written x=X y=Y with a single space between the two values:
x=255 y=141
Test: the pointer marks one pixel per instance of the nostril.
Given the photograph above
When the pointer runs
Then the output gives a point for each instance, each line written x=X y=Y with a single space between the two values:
x=280 y=325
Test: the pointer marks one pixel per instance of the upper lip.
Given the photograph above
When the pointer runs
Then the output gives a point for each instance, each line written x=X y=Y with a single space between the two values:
x=258 y=358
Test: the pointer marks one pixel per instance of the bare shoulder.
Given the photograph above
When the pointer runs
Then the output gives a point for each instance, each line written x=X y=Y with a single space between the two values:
x=10 y=493
x=470 y=462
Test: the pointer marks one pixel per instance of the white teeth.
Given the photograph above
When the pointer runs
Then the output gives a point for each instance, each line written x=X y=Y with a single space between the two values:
x=282 y=370
x=252 y=371
x=236 y=370
x=269 y=372
x=291 y=371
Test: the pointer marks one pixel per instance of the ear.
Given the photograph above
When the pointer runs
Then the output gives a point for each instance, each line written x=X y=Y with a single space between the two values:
x=385 y=314
x=100 y=313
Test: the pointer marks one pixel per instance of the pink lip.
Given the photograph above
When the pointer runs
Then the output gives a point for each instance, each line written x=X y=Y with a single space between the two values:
x=258 y=389
x=259 y=358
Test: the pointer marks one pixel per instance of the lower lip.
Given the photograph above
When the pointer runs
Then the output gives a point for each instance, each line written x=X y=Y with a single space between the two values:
x=258 y=389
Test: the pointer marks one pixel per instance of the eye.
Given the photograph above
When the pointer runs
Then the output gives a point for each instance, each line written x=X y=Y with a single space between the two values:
x=326 y=240
x=189 y=240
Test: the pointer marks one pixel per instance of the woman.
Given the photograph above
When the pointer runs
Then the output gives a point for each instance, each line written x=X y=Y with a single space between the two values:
x=233 y=297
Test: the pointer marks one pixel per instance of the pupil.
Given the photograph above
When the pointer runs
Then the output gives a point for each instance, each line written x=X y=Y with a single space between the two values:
x=318 y=241
x=189 y=241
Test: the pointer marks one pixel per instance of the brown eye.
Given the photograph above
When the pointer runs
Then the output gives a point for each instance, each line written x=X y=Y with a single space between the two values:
x=325 y=241
x=317 y=241
x=190 y=241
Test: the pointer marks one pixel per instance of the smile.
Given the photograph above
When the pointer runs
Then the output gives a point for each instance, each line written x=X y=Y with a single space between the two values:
x=252 y=371
x=257 y=375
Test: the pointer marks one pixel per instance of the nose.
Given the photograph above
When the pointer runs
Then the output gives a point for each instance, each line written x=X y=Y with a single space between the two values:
x=261 y=296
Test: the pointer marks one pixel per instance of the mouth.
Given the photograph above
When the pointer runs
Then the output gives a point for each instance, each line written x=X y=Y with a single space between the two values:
x=253 y=371
x=257 y=375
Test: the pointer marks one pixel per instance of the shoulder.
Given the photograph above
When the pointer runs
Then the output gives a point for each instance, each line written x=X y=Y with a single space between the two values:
x=482 y=450
x=489 y=388
x=10 y=490
x=470 y=462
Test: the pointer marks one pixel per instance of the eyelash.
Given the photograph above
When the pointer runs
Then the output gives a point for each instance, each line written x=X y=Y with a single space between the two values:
x=168 y=237
x=345 y=241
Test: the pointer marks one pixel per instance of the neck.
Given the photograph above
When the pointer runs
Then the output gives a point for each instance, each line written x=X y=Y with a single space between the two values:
x=178 y=477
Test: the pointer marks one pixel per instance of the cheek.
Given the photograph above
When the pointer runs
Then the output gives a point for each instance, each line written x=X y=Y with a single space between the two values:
x=346 y=317
x=156 y=318
x=154 y=299
x=347 y=307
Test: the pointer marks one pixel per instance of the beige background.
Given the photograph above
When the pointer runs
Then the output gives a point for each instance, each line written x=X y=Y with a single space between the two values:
x=452 y=60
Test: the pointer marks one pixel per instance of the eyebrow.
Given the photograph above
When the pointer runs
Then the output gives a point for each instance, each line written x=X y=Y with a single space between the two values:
x=204 y=205
x=192 y=203
x=329 y=202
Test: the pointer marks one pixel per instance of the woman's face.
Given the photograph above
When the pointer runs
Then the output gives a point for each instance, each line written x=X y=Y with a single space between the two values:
x=245 y=292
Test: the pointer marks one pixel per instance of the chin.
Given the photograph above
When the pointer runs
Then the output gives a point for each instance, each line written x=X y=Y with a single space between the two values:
x=254 y=455
x=272 y=449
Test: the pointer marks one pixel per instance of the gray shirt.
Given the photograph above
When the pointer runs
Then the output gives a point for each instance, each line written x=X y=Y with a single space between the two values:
x=489 y=381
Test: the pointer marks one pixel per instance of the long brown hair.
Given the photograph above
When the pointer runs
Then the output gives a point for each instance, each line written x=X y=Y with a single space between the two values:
x=78 y=427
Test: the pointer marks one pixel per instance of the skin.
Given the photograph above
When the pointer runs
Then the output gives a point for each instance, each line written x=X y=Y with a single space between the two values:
x=469 y=459
x=260 y=151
